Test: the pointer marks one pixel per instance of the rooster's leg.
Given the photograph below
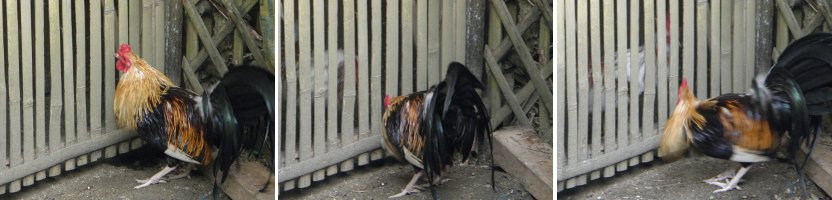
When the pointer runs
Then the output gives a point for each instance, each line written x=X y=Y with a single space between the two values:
x=186 y=172
x=156 y=178
x=733 y=183
x=721 y=176
x=410 y=188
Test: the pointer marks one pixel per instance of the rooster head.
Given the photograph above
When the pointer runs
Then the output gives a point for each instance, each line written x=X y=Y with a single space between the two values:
x=685 y=94
x=123 y=62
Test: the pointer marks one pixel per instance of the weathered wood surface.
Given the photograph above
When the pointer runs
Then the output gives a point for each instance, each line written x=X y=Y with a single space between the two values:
x=523 y=155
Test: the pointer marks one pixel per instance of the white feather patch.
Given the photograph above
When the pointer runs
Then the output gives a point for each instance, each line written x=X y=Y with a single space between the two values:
x=412 y=159
x=746 y=155
x=177 y=153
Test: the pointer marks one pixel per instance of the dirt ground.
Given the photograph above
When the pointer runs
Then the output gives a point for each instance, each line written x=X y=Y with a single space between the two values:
x=114 y=178
x=387 y=177
x=683 y=180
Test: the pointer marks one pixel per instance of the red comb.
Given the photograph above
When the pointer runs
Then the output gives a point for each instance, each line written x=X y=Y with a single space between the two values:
x=386 y=100
x=125 y=48
x=684 y=82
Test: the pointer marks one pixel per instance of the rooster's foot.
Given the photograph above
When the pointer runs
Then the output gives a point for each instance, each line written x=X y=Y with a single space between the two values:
x=721 y=176
x=406 y=191
x=725 y=186
x=156 y=178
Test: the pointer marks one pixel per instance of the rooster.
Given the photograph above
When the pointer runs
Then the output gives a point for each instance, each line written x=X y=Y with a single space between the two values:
x=776 y=114
x=189 y=128
x=427 y=128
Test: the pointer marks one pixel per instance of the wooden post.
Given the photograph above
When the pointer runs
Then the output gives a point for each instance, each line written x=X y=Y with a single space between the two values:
x=764 y=36
x=475 y=36
x=174 y=23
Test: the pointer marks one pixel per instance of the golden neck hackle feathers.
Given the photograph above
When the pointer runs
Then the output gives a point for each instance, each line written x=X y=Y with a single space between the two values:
x=138 y=91
x=676 y=136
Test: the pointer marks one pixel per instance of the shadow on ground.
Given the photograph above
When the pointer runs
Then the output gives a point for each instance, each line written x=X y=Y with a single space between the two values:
x=683 y=180
x=387 y=177
x=114 y=178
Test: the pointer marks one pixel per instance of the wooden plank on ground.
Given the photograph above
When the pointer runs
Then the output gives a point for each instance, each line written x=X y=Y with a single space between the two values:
x=348 y=113
x=392 y=34
x=597 y=84
x=13 y=50
x=522 y=154
x=40 y=83
x=609 y=84
x=725 y=38
x=571 y=82
x=95 y=69
x=819 y=166
x=305 y=82
x=333 y=142
x=290 y=122
x=363 y=79
x=319 y=53
x=55 y=103
x=27 y=67
x=376 y=90
x=245 y=179
x=714 y=38
x=81 y=72
x=109 y=75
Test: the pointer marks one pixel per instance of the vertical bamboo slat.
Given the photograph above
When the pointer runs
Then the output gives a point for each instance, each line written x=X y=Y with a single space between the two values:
x=291 y=87
x=446 y=54
x=69 y=80
x=320 y=89
x=407 y=47
x=635 y=67
x=715 y=37
x=55 y=105
x=159 y=35
x=28 y=101
x=609 y=83
x=459 y=33
x=347 y=117
x=333 y=143
x=725 y=37
x=13 y=49
x=495 y=37
x=702 y=48
x=597 y=86
x=81 y=75
x=662 y=35
x=583 y=82
x=27 y=67
x=739 y=55
x=392 y=65
x=621 y=63
x=305 y=81
x=376 y=63
x=434 y=63
x=96 y=107
x=109 y=75
x=363 y=76
x=673 y=72
x=749 y=42
x=571 y=82
x=688 y=48
x=40 y=85
x=422 y=64
x=148 y=33
x=135 y=23
x=647 y=122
